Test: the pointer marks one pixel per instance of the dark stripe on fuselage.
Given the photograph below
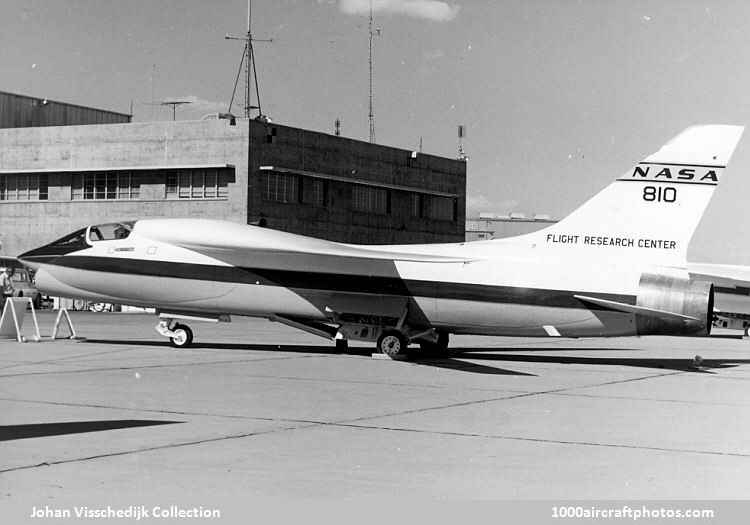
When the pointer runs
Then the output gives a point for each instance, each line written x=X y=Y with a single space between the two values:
x=339 y=282
x=737 y=290
x=670 y=181
x=718 y=166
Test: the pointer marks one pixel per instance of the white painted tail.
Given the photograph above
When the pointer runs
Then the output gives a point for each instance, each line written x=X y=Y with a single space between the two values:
x=651 y=212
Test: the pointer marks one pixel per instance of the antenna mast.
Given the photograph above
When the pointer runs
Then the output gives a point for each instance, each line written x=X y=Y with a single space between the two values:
x=461 y=134
x=371 y=115
x=248 y=57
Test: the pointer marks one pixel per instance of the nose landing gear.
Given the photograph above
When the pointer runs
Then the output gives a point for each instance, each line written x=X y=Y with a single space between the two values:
x=180 y=335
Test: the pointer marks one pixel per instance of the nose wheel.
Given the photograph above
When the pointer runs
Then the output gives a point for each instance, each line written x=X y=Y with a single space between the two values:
x=183 y=336
x=180 y=335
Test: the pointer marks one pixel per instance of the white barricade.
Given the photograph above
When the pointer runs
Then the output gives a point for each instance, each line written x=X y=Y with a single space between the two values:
x=11 y=319
x=58 y=320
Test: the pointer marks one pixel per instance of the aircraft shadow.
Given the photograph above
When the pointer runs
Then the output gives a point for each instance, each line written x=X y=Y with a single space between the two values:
x=10 y=432
x=452 y=361
x=308 y=349
x=463 y=366
x=435 y=361
x=679 y=364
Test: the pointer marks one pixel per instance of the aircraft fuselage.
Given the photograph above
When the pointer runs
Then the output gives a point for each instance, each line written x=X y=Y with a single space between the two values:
x=244 y=270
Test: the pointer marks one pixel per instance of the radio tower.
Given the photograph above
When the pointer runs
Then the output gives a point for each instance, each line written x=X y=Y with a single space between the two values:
x=371 y=115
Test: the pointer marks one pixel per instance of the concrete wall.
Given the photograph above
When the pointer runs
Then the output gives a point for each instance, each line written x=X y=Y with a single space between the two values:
x=283 y=146
x=25 y=224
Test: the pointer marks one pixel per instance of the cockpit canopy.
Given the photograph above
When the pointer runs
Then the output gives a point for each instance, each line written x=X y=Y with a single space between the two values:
x=78 y=240
x=72 y=240
x=110 y=231
x=100 y=232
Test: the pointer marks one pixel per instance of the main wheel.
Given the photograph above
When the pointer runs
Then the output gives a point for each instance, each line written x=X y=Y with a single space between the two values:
x=183 y=336
x=393 y=343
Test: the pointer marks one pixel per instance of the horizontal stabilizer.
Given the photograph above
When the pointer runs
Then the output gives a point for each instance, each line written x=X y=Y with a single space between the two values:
x=632 y=309
x=724 y=275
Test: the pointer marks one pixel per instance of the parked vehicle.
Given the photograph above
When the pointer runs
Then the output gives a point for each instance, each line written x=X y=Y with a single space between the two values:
x=23 y=280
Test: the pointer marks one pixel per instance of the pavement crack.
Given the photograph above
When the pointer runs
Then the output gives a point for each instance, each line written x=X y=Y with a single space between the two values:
x=147 y=367
x=513 y=396
x=151 y=449
x=543 y=440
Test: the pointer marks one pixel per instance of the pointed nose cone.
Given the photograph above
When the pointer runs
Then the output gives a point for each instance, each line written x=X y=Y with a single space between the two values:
x=38 y=256
x=49 y=252
x=73 y=242
x=33 y=265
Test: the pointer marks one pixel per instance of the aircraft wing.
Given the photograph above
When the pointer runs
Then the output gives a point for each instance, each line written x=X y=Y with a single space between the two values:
x=243 y=253
x=239 y=245
x=326 y=250
x=632 y=309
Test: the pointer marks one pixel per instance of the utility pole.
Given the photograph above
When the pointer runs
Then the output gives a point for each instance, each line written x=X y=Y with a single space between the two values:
x=371 y=115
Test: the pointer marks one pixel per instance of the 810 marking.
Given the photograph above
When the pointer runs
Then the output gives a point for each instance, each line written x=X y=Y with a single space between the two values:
x=660 y=194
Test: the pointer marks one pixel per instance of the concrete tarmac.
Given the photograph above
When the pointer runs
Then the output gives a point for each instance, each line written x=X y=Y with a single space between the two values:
x=257 y=409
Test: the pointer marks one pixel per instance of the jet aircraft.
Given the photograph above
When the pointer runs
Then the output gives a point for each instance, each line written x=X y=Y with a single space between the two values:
x=616 y=266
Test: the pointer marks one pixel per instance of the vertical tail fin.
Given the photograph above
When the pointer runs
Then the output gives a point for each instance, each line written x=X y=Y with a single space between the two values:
x=651 y=211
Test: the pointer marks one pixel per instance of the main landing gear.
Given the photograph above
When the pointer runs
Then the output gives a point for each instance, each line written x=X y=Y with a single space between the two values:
x=395 y=344
x=180 y=335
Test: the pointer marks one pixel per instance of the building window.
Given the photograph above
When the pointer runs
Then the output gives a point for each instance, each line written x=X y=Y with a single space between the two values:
x=24 y=187
x=439 y=208
x=370 y=199
x=280 y=187
x=196 y=184
x=105 y=186
x=416 y=205
x=313 y=191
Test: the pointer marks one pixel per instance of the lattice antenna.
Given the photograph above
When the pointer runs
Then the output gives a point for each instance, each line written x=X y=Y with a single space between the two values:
x=248 y=60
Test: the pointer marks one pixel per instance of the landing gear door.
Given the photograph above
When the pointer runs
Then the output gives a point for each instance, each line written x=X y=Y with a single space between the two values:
x=423 y=311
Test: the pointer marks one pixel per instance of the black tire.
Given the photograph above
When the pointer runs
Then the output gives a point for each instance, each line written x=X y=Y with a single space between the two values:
x=38 y=302
x=183 y=338
x=393 y=343
x=342 y=345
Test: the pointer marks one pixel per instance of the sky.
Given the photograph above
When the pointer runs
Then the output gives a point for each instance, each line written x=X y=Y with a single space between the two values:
x=558 y=97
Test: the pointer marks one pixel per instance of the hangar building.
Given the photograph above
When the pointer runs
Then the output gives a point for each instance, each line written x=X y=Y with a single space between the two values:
x=22 y=111
x=498 y=226
x=56 y=179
